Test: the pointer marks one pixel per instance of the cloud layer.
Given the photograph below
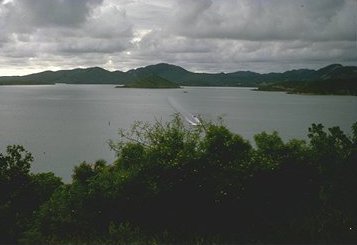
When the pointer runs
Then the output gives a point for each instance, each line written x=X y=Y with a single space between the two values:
x=200 y=35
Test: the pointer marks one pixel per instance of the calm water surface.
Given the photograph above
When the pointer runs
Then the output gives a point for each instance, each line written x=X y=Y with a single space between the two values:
x=63 y=125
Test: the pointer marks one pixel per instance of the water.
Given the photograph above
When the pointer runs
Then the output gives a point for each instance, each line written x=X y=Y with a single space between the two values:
x=63 y=125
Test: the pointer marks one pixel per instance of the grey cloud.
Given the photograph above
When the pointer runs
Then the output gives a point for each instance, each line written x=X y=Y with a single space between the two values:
x=23 y=16
x=158 y=41
x=98 y=29
x=201 y=35
x=108 y=22
x=149 y=14
x=189 y=12
x=269 y=20
x=221 y=54
x=92 y=46
x=56 y=12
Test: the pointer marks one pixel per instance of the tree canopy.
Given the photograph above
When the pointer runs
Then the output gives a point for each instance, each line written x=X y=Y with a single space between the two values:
x=173 y=183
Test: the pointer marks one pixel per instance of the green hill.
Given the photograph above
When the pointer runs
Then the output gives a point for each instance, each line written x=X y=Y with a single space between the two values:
x=340 y=79
x=151 y=81
x=330 y=86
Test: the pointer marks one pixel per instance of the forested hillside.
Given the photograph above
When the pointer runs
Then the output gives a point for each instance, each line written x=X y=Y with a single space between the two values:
x=340 y=76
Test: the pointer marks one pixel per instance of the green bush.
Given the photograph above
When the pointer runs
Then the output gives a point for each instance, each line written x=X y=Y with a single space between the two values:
x=177 y=184
x=21 y=193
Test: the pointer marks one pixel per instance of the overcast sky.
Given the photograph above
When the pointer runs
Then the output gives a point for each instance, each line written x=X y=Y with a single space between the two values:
x=199 y=35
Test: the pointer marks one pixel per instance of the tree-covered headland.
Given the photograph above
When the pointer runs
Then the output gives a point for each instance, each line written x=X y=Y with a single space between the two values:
x=177 y=184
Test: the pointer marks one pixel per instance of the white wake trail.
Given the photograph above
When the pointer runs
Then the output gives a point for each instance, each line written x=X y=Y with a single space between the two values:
x=188 y=116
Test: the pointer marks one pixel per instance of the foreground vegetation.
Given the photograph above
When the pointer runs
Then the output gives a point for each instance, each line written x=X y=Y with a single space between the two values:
x=173 y=184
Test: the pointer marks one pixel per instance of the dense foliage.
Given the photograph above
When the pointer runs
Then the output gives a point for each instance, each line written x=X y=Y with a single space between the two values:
x=204 y=184
x=21 y=193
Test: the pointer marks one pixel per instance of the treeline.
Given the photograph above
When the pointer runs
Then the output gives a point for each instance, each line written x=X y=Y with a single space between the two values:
x=174 y=184
x=180 y=76
x=323 y=87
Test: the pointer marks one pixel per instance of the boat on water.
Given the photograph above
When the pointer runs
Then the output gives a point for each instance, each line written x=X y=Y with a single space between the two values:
x=193 y=120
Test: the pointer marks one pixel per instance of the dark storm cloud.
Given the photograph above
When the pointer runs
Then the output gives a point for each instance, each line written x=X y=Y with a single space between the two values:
x=61 y=26
x=202 y=35
x=55 y=12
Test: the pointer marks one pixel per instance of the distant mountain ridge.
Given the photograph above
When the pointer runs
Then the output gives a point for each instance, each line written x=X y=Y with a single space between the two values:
x=181 y=76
